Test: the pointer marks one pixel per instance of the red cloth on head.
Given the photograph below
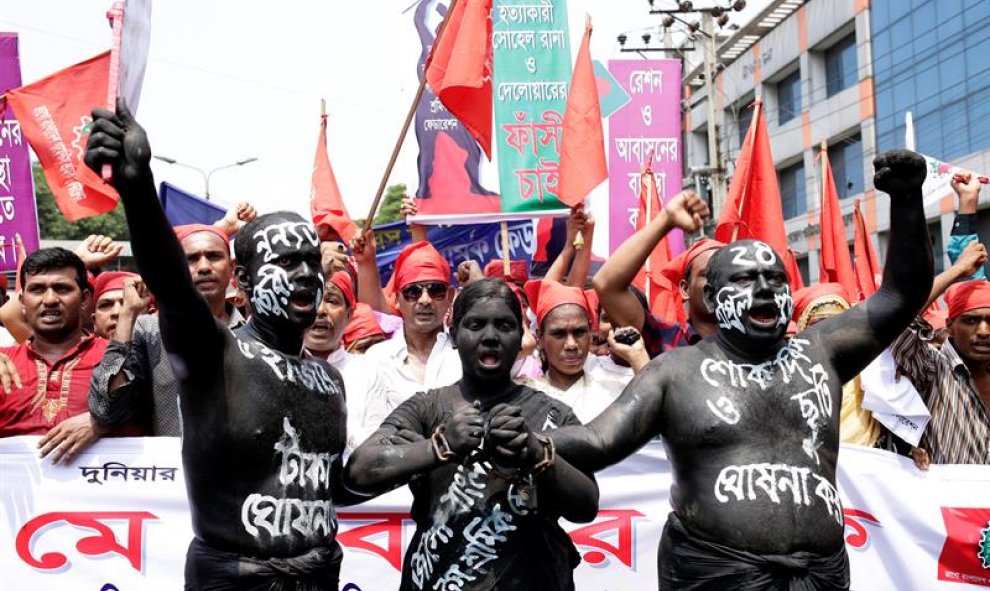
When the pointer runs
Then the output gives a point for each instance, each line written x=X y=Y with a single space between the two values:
x=419 y=262
x=807 y=296
x=545 y=295
x=343 y=281
x=517 y=271
x=110 y=281
x=183 y=232
x=3 y=281
x=363 y=324
x=676 y=269
x=968 y=295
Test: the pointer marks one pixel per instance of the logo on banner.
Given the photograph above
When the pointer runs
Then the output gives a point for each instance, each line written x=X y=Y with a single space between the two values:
x=103 y=542
x=965 y=556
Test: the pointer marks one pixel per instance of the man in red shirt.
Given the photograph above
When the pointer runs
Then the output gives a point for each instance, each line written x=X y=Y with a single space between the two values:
x=47 y=377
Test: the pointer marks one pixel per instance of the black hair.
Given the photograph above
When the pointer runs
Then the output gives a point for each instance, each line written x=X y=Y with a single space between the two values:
x=49 y=259
x=484 y=289
x=244 y=245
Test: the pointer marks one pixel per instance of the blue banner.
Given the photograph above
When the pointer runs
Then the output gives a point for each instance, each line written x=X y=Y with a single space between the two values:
x=477 y=242
x=183 y=208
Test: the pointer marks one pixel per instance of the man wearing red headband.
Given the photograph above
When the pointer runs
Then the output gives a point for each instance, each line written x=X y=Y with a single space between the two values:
x=954 y=379
x=366 y=394
x=422 y=356
x=253 y=412
x=686 y=211
x=750 y=418
x=108 y=289
x=135 y=372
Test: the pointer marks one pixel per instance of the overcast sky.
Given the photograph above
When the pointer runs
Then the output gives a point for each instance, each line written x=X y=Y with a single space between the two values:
x=229 y=80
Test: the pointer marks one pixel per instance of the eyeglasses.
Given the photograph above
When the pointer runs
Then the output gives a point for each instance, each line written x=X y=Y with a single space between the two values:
x=414 y=291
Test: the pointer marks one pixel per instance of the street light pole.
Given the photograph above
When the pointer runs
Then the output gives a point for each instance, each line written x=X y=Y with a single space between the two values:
x=206 y=175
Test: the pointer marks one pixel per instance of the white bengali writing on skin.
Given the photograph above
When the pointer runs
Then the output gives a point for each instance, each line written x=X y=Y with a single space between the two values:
x=730 y=304
x=292 y=369
x=752 y=482
x=270 y=296
x=794 y=366
x=285 y=516
x=291 y=234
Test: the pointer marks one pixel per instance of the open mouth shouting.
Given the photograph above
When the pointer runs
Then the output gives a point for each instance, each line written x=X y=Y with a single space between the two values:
x=764 y=315
x=489 y=359
x=303 y=301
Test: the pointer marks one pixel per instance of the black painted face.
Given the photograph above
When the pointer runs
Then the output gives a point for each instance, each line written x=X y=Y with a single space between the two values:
x=488 y=340
x=748 y=294
x=286 y=275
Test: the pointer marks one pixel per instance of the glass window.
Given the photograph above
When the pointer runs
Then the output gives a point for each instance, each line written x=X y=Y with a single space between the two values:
x=789 y=97
x=802 y=263
x=846 y=158
x=840 y=65
x=793 y=190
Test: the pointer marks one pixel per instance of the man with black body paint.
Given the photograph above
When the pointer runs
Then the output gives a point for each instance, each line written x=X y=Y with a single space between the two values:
x=263 y=429
x=754 y=442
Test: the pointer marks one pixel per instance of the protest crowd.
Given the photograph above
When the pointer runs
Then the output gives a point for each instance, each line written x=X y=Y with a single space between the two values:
x=495 y=394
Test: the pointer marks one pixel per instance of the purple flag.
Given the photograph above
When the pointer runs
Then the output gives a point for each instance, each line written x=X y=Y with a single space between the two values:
x=650 y=123
x=18 y=213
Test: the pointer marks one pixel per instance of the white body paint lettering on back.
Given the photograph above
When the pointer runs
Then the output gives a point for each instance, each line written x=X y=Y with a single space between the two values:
x=752 y=482
x=791 y=364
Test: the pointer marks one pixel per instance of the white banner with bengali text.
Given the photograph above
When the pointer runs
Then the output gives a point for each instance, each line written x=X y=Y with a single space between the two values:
x=118 y=520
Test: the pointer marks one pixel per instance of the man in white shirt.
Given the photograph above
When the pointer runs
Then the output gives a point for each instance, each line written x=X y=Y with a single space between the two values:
x=420 y=357
x=363 y=386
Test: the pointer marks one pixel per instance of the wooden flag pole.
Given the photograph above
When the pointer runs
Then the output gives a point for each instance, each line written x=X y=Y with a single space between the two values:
x=742 y=198
x=506 y=268
x=116 y=16
x=408 y=122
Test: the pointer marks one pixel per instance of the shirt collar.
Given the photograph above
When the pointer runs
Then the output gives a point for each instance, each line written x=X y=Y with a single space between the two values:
x=84 y=343
x=952 y=356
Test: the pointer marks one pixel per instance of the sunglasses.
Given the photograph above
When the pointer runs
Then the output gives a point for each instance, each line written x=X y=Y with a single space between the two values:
x=414 y=291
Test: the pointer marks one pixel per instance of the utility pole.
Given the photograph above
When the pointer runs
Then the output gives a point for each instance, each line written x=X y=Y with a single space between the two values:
x=714 y=154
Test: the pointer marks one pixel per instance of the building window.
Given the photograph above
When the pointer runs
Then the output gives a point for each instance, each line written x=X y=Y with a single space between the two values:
x=846 y=158
x=840 y=65
x=793 y=192
x=789 y=97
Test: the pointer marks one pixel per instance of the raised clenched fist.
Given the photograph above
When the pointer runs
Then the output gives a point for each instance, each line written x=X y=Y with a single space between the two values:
x=899 y=172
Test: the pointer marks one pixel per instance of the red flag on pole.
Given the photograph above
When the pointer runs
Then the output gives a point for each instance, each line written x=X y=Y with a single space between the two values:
x=325 y=202
x=54 y=114
x=662 y=295
x=868 y=270
x=459 y=69
x=793 y=271
x=835 y=266
x=582 y=147
x=752 y=209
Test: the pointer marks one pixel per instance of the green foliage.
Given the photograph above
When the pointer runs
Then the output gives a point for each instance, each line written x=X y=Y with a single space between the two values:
x=388 y=211
x=54 y=226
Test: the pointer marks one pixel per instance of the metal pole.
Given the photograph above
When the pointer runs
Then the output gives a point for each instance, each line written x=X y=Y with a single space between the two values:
x=714 y=158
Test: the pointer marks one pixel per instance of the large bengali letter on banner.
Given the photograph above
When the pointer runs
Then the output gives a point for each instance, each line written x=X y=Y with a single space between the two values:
x=118 y=520
x=17 y=206
x=531 y=77
x=649 y=124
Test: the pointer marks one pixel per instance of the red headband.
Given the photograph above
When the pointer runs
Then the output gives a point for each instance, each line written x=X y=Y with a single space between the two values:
x=420 y=262
x=968 y=295
x=343 y=281
x=545 y=295
x=517 y=271
x=676 y=269
x=110 y=281
x=183 y=232
x=363 y=324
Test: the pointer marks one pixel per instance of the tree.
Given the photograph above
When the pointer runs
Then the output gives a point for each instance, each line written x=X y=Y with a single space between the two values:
x=54 y=226
x=388 y=212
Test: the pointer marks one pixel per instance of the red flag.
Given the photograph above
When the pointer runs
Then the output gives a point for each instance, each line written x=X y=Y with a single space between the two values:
x=752 y=209
x=582 y=148
x=459 y=69
x=325 y=202
x=793 y=271
x=664 y=298
x=54 y=114
x=835 y=266
x=868 y=270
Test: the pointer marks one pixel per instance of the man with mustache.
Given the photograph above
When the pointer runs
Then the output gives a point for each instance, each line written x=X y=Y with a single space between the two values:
x=262 y=429
x=135 y=373
x=750 y=418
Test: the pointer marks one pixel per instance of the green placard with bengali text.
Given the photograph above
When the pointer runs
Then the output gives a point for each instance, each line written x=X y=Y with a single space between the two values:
x=532 y=72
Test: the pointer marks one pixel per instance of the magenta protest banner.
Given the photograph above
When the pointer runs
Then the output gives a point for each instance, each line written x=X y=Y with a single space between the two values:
x=649 y=124
x=18 y=214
